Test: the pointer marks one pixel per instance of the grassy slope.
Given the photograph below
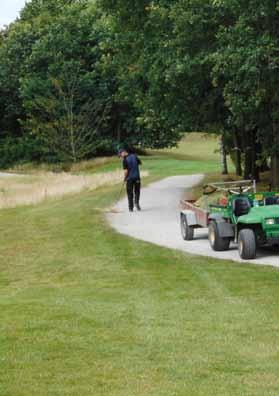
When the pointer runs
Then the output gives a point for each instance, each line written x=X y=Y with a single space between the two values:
x=194 y=150
x=86 y=311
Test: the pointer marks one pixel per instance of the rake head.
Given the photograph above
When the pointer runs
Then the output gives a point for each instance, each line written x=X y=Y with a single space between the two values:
x=114 y=210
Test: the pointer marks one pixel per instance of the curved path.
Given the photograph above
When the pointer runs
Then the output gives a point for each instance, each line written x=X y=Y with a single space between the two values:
x=159 y=221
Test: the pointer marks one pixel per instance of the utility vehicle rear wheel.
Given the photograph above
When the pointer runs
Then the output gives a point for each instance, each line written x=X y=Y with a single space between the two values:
x=217 y=242
x=187 y=231
x=247 y=246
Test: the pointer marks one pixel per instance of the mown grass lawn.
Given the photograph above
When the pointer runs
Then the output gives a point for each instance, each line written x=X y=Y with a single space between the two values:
x=85 y=311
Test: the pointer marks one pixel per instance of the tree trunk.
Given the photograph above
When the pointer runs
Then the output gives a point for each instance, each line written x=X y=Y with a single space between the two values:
x=119 y=130
x=237 y=149
x=247 y=163
x=275 y=160
x=70 y=112
x=249 y=155
x=275 y=172
x=255 y=172
x=224 y=163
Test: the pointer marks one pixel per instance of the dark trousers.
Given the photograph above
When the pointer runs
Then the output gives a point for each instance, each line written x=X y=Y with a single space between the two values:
x=133 y=192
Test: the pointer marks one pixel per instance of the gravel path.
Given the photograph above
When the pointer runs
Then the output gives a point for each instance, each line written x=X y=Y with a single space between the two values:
x=159 y=222
x=4 y=174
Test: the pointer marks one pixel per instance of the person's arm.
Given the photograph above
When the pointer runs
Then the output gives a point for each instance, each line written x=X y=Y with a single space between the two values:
x=126 y=173
x=139 y=161
x=126 y=170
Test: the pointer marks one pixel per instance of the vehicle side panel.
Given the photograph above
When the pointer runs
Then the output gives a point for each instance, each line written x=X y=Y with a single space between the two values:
x=201 y=215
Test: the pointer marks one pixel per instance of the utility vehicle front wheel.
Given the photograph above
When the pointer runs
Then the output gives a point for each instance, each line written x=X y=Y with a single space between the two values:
x=217 y=242
x=247 y=246
x=187 y=232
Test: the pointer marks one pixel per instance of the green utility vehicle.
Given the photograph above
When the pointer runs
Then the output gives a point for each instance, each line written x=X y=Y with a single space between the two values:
x=242 y=215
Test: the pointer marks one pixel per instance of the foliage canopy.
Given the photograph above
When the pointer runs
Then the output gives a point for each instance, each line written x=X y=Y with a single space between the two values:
x=144 y=72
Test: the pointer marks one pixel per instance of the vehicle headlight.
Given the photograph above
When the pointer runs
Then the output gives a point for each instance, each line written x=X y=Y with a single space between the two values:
x=270 y=221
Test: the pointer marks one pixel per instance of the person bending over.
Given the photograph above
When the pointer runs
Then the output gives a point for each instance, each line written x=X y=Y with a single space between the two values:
x=132 y=178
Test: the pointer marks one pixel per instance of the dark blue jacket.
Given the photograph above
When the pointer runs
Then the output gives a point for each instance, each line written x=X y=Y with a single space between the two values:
x=131 y=163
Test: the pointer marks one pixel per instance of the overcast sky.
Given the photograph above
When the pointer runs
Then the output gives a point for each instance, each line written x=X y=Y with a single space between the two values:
x=9 y=10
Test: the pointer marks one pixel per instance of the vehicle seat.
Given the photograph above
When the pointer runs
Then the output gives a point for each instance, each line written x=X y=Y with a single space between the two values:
x=241 y=206
x=271 y=201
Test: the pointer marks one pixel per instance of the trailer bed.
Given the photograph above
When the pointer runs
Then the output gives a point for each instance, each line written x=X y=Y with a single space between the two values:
x=201 y=214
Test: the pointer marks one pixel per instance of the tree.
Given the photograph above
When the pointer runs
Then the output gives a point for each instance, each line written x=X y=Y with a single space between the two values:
x=246 y=70
x=146 y=72
x=16 y=46
x=68 y=125
x=135 y=48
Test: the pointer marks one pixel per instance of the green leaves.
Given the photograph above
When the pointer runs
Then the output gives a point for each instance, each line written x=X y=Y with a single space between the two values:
x=65 y=105
x=152 y=69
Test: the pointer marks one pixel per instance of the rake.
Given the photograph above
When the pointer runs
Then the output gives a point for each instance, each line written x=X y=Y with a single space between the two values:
x=118 y=196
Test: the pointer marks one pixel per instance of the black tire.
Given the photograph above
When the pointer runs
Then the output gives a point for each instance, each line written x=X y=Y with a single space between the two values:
x=187 y=231
x=247 y=244
x=217 y=243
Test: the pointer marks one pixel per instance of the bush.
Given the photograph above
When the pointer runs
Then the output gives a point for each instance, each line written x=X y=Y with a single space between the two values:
x=22 y=149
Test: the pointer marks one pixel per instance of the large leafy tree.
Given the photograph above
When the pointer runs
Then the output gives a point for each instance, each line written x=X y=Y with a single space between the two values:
x=65 y=100
x=164 y=66
x=139 y=56
x=246 y=69
x=16 y=46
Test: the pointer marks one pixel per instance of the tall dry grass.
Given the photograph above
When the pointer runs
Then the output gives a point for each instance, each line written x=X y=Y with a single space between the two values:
x=82 y=166
x=26 y=190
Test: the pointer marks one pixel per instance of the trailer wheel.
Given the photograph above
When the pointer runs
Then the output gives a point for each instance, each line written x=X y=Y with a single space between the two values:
x=187 y=231
x=217 y=243
x=247 y=246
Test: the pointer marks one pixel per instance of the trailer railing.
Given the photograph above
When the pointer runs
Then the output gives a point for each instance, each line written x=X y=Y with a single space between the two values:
x=235 y=187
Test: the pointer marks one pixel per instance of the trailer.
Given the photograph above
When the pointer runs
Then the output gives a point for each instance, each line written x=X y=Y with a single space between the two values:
x=191 y=218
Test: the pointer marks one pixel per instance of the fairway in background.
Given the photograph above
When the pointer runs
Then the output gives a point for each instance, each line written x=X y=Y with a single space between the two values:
x=196 y=153
x=199 y=146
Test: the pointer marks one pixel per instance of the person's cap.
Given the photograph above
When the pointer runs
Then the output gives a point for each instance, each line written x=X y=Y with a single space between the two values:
x=120 y=151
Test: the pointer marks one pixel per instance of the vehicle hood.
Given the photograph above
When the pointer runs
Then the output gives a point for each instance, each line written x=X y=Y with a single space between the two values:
x=258 y=214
